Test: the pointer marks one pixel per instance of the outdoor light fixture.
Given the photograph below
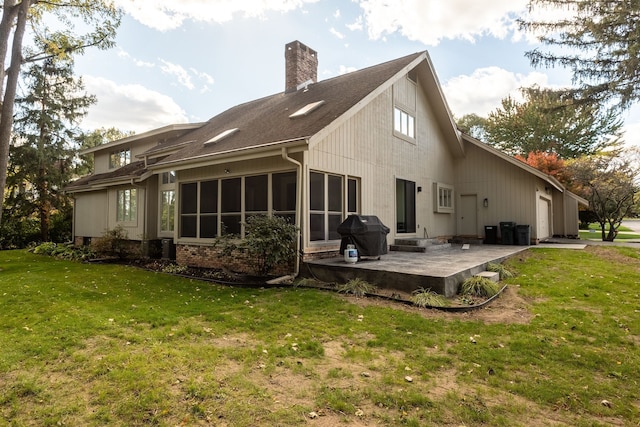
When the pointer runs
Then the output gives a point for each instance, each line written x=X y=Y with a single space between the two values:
x=485 y=202
x=227 y=171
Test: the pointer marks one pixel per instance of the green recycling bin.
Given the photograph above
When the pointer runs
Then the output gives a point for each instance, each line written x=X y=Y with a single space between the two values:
x=507 y=232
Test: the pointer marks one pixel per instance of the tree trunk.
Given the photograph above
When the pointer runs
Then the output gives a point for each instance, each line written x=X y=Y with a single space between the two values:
x=9 y=96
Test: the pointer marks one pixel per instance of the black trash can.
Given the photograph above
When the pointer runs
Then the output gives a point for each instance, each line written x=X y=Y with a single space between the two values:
x=366 y=232
x=490 y=234
x=507 y=231
x=523 y=235
x=168 y=249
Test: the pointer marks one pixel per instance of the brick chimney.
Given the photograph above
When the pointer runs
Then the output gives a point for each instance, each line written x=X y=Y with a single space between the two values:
x=301 y=65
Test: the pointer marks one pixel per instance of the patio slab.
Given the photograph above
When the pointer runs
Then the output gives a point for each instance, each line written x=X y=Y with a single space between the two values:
x=442 y=271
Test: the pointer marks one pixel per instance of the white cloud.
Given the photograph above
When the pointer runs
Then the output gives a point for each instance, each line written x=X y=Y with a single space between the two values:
x=208 y=79
x=178 y=72
x=336 y=33
x=483 y=90
x=430 y=21
x=129 y=107
x=169 y=14
x=344 y=70
x=357 y=25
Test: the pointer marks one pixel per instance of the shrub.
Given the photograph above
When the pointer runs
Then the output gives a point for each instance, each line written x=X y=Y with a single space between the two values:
x=479 y=287
x=65 y=251
x=112 y=243
x=357 y=287
x=428 y=298
x=504 y=271
x=45 y=248
x=269 y=242
x=175 y=269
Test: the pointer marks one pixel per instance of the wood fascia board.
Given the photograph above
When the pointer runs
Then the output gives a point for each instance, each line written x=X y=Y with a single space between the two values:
x=441 y=107
x=522 y=165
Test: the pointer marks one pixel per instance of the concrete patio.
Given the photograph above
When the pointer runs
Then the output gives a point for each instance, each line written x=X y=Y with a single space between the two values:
x=442 y=271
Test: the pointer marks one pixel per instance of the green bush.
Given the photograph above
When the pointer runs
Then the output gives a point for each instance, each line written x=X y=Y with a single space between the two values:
x=504 y=271
x=428 y=298
x=45 y=248
x=112 y=243
x=269 y=242
x=64 y=251
x=357 y=287
x=479 y=287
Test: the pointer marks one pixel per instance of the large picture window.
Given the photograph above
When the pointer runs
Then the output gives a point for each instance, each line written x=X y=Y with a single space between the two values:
x=212 y=208
x=126 y=203
x=328 y=205
x=405 y=206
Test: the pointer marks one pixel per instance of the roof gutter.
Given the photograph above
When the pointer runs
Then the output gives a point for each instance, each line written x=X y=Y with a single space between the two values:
x=228 y=153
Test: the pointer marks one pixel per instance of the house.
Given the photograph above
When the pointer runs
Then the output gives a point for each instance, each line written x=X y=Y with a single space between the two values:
x=378 y=141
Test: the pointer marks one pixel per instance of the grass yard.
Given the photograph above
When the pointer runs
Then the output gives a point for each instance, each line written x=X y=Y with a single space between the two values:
x=95 y=345
x=595 y=233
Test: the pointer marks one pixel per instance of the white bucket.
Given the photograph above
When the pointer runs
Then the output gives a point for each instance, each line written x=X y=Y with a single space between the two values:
x=351 y=254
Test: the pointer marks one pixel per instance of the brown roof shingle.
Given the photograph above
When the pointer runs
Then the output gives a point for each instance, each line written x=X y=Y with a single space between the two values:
x=266 y=120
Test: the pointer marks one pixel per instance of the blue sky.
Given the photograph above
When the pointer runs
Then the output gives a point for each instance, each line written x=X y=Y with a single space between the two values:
x=180 y=61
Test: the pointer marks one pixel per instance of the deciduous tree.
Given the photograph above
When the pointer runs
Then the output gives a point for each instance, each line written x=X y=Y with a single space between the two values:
x=99 y=18
x=548 y=163
x=609 y=181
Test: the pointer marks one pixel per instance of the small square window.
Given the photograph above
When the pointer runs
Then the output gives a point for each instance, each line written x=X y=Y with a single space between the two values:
x=443 y=195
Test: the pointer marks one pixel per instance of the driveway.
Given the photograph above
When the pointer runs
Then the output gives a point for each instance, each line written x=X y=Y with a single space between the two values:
x=633 y=224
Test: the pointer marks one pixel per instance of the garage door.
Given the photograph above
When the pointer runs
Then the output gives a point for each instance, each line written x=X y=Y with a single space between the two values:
x=544 y=218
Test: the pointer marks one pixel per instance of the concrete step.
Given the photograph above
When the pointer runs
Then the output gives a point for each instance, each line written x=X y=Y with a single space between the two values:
x=491 y=275
x=407 y=248
x=415 y=241
x=418 y=245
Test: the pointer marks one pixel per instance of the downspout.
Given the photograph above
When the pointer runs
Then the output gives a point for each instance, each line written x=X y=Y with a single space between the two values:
x=73 y=221
x=285 y=156
x=146 y=209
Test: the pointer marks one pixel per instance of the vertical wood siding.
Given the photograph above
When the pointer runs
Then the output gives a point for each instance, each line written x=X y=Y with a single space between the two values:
x=365 y=147
x=91 y=214
x=512 y=192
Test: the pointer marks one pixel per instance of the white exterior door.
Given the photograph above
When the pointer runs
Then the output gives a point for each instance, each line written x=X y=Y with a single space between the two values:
x=544 y=218
x=468 y=215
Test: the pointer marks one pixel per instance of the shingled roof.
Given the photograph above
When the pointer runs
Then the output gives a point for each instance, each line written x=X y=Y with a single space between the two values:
x=131 y=171
x=267 y=121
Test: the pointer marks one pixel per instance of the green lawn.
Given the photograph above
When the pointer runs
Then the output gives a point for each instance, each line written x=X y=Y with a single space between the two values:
x=94 y=345
x=594 y=233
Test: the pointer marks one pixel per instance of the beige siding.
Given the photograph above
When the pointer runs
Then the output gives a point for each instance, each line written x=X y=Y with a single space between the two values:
x=565 y=220
x=90 y=211
x=243 y=168
x=365 y=147
x=512 y=193
x=101 y=158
